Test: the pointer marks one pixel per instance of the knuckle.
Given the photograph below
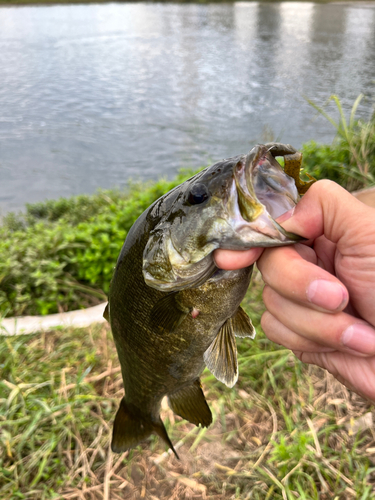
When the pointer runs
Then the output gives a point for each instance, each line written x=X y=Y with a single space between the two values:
x=324 y=188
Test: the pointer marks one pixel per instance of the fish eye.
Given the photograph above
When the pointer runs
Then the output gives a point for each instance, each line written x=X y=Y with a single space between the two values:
x=198 y=194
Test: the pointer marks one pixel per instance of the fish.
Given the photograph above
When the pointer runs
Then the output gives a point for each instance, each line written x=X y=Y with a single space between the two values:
x=172 y=311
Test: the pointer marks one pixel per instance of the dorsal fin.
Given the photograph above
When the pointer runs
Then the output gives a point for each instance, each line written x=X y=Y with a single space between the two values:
x=106 y=312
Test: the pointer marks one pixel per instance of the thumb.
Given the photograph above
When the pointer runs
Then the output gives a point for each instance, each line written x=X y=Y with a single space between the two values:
x=329 y=209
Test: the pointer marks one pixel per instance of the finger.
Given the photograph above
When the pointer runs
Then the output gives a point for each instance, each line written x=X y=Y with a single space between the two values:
x=297 y=279
x=329 y=209
x=326 y=252
x=280 y=334
x=306 y=253
x=235 y=259
x=339 y=331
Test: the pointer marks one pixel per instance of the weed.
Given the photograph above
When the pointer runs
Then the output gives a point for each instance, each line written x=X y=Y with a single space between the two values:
x=350 y=160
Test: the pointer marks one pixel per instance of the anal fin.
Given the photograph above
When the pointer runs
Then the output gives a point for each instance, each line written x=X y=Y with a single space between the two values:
x=189 y=403
x=221 y=356
x=131 y=427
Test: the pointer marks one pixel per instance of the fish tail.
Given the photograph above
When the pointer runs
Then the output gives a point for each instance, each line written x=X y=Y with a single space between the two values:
x=131 y=427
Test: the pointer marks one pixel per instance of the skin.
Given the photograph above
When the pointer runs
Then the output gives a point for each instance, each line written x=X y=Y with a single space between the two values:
x=320 y=295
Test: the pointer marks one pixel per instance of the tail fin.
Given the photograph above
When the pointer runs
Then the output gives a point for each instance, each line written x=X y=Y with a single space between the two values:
x=131 y=427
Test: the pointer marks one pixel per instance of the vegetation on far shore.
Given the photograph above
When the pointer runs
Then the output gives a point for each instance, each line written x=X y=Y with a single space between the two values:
x=9 y=3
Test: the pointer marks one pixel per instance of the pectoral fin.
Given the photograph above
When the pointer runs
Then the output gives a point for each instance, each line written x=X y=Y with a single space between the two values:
x=167 y=314
x=190 y=403
x=242 y=325
x=221 y=356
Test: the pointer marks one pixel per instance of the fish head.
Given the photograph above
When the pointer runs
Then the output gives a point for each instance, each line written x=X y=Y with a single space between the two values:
x=231 y=205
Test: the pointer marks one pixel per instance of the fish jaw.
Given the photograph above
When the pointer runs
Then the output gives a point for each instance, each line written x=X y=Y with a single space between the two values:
x=252 y=221
x=263 y=232
x=244 y=196
x=274 y=188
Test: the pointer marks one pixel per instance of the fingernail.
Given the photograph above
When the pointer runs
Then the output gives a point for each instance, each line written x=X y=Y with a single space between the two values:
x=285 y=216
x=327 y=294
x=360 y=338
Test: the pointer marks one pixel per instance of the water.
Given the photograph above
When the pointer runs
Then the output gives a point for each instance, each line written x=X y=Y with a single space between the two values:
x=92 y=95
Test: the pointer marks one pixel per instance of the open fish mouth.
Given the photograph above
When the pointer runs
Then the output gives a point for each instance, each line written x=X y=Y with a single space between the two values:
x=231 y=205
x=261 y=191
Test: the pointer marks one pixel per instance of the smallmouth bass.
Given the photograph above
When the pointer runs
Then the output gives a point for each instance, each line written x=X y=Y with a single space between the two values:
x=171 y=310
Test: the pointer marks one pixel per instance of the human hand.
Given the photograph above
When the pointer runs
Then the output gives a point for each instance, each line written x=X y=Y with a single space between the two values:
x=320 y=295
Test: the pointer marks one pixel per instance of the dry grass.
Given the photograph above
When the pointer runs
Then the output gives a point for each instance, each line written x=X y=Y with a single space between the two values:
x=285 y=431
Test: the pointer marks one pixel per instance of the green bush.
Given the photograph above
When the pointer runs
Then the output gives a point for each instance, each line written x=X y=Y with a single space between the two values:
x=324 y=161
x=60 y=255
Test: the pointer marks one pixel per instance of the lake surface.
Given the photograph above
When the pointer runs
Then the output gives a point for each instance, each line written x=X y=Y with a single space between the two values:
x=92 y=95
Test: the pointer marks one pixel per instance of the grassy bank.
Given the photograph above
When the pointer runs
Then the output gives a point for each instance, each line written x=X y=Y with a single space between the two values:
x=285 y=431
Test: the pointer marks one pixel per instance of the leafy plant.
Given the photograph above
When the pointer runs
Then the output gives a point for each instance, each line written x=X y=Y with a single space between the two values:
x=324 y=161
x=60 y=254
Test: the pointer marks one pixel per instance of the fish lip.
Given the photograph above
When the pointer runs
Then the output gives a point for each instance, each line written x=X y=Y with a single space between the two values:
x=263 y=231
x=250 y=213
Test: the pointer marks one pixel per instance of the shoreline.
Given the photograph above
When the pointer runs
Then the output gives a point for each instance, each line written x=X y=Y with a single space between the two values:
x=26 y=325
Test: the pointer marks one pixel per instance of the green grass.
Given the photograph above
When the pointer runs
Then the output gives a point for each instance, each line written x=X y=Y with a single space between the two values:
x=281 y=432
x=350 y=159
